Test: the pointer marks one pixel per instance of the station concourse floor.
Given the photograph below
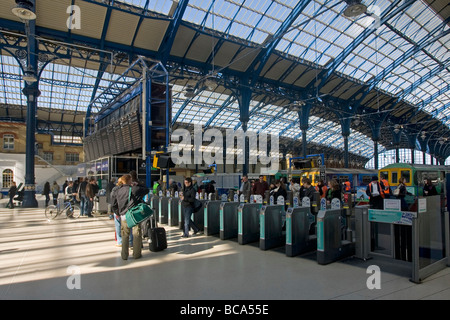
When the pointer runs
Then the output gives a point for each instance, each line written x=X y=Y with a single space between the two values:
x=36 y=257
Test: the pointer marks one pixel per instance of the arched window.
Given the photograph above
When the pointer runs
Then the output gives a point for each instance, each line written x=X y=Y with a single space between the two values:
x=7 y=178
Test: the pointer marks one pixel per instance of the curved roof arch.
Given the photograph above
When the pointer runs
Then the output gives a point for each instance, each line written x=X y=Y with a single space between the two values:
x=389 y=68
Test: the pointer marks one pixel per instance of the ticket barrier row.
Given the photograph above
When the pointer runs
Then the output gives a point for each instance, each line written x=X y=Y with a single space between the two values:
x=268 y=224
x=252 y=222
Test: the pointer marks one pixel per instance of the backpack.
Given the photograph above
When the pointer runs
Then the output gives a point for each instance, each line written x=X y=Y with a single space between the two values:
x=138 y=213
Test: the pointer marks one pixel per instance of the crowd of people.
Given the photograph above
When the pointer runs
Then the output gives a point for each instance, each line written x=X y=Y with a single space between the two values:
x=300 y=188
x=129 y=191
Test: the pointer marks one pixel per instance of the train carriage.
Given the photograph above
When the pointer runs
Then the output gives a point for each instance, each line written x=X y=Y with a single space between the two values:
x=415 y=175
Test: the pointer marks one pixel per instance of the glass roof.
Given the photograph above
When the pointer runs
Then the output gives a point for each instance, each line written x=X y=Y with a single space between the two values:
x=411 y=46
x=321 y=33
x=62 y=86
x=207 y=107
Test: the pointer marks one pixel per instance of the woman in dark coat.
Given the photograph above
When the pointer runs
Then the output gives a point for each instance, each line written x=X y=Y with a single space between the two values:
x=12 y=193
x=429 y=189
x=46 y=192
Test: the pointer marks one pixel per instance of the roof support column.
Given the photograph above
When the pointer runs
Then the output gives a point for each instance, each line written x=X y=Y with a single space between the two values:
x=345 y=126
x=376 y=129
x=31 y=91
x=412 y=145
x=375 y=126
x=244 y=98
x=375 y=153
x=303 y=115
x=396 y=141
x=423 y=147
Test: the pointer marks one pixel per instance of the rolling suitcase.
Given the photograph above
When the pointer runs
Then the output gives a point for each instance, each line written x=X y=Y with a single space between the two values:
x=145 y=228
x=157 y=240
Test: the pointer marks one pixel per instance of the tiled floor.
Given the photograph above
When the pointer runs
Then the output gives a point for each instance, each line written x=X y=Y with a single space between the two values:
x=43 y=260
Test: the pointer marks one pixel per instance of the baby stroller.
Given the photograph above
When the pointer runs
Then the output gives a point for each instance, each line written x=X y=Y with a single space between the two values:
x=20 y=194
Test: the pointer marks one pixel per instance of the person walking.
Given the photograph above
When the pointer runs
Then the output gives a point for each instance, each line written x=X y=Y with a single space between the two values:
x=91 y=192
x=402 y=193
x=387 y=187
x=121 y=204
x=429 y=189
x=245 y=188
x=55 y=192
x=82 y=196
x=12 y=193
x=111 y=185
x=188 y=199
x=403 y=234
x=322 y=189
x=280 y=190
x=334 y=191
x=46 y=193
x=375 y=192
x=260 y=187
x=117 y=220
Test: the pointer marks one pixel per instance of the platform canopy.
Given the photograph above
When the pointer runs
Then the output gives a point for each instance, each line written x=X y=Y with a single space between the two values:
x=384 y=73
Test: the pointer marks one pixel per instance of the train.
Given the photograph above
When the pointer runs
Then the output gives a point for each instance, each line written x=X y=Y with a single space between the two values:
x=357 y=177
x=415 y=175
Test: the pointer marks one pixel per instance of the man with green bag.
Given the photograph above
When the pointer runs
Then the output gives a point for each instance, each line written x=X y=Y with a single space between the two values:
x=125 y=198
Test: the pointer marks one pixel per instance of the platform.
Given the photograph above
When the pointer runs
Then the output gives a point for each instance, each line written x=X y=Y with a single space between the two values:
x=36 y=254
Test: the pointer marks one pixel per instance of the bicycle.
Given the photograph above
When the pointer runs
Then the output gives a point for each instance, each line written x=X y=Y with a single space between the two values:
x=71 y=210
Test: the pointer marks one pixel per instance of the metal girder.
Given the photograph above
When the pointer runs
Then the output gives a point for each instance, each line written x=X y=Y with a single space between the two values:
x=388 y=14
x=141 y=19
x=76 y=129
x=434 y=96
x=185 y=104
x=271 y=43
x=273 y=119
x=169 y=38
x=230 y=100
x=435 y=71
x=423 y=43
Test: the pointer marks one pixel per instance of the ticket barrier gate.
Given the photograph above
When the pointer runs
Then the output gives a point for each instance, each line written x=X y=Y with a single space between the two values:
x=163 y=210
x=172 y=212
x=298 y=238
x=199 y=216
x=212 y=217
x=271 y=223
x=427 y=247
x=332 y=244
x=228 y=220
x=154 y=204
x=248 y=222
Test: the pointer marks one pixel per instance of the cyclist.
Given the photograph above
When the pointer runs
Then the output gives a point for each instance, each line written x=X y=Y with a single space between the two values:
x=69 y=195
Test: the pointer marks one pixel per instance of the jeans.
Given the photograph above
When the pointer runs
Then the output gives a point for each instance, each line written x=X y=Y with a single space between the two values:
x=83 y=205
x=137 y=240
x=10 y=203
x=117 y=224
x=188 y=223
x=89 y=206
x=55 y=198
